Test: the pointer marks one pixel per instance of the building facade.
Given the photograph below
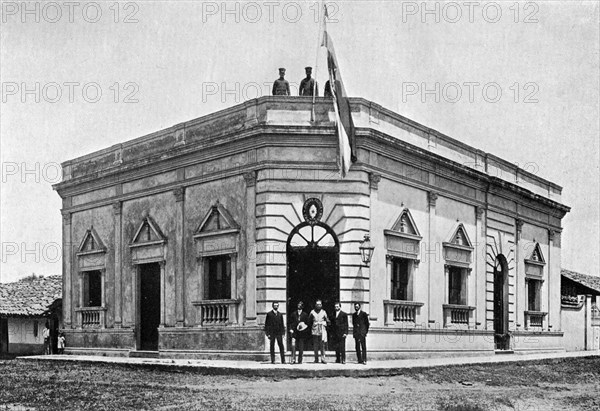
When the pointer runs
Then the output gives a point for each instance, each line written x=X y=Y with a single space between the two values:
x=580 y=294
x=179 y=241
x=26 y=306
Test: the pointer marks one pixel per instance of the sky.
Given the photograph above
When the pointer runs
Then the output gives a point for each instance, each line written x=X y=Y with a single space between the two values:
x=519 y=80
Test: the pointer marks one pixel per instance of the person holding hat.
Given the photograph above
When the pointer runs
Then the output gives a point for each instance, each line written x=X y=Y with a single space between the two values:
x=307 y=85
x=298 y=331
x=281 y=87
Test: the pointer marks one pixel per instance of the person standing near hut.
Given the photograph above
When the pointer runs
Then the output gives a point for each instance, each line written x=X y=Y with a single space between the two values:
x=61 y=343
x=47 y=342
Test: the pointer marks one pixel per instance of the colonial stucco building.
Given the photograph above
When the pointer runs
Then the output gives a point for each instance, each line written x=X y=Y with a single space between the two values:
x=26 y=306
x=179 y=241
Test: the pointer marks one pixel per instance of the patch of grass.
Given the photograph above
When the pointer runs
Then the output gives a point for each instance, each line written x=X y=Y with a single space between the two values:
x=73 y=386
x=532 y=373
x=585 y=401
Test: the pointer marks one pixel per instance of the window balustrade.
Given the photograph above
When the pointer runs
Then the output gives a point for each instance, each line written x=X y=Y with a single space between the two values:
x=457 y=315
x=217 y=312
x=92 y=317
x=401 y=312
x=534 y=319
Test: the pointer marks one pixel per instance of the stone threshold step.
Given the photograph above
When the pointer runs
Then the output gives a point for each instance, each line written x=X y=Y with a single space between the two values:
x=143 y=354
x=504 y=352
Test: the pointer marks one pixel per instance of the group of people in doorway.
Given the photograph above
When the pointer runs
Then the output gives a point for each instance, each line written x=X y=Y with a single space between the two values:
x=308 y=86
x=317 y=325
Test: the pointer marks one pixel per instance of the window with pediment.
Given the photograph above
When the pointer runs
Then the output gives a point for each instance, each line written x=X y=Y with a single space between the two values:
x=148 y=232
x=402 y=242
x=148 y=243
x=534 y=281
x=217 y=240
x=458 y=255
x=217 y=245
x=91 y=256
x=91 y=261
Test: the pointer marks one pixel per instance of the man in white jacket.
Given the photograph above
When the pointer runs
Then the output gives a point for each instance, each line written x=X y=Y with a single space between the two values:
x=318 y=320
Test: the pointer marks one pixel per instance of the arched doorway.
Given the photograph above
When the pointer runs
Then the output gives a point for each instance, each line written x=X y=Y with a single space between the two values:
x=501 y=337
x=312 y=267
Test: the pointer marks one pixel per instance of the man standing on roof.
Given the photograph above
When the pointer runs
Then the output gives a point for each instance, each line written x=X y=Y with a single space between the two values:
x=307 y=85
x=281 y=87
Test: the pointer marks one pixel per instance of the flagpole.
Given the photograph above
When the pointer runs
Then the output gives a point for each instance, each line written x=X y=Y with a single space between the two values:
x=312 y=109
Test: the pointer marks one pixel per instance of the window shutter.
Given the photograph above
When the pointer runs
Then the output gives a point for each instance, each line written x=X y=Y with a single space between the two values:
x=463 y=287
x=206 y=282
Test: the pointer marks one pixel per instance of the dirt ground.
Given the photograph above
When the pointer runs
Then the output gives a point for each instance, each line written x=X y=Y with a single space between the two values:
x=566 y=384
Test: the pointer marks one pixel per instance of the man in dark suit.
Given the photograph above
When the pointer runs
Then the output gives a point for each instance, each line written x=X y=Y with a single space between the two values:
x=275 y=329
x=298 y=326
x=360 y=328
x=340 y=331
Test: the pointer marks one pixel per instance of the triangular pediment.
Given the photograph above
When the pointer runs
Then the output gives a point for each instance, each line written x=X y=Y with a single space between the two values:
x=406 y=224
x=217 y=219
x=91 y=242
x=148 y=232
x=460 y=237
x=536 y=255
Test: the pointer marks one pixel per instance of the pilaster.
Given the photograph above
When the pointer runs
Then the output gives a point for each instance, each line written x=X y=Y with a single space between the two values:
x=163 y=295
x=118 y=250
x=179 y=194
x=375 y=310
x=67 y=263
x=553 y=282
x=479 y=278
x=520 y=289
x=431 y=254
x=250 y=260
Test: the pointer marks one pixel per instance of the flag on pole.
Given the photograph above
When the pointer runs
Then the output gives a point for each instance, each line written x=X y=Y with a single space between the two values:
x=341 y=104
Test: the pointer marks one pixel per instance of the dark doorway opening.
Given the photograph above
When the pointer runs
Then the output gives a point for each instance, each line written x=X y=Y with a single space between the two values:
x=149 y=305
x=312 y=269
x=501 y=336
x=3 y=336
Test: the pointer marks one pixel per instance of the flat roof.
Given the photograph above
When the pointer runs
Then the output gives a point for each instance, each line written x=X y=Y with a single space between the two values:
x=295 y=112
